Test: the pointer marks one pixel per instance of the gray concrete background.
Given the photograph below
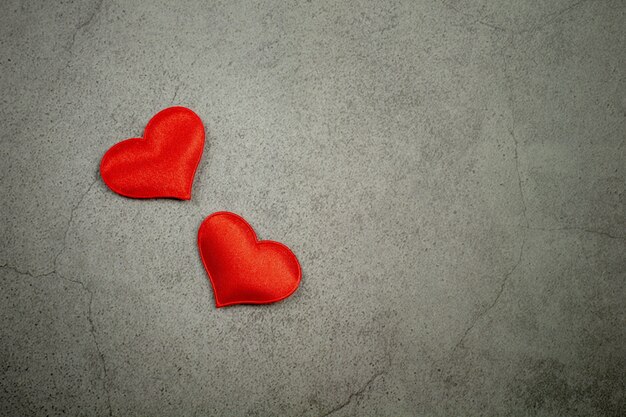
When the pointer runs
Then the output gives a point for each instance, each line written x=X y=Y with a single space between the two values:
x=451 y=175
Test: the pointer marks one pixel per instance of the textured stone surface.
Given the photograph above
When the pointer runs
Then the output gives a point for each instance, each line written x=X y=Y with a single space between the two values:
x=450 y=174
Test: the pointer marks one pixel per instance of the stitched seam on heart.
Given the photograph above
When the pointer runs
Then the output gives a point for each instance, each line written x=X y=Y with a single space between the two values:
x=218 y=304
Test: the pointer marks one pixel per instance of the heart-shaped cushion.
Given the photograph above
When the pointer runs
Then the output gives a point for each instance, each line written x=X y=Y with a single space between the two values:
x=242 y=269
x=162 y=163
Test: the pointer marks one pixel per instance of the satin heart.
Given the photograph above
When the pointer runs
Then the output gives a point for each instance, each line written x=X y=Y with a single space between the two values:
x=162 y=163
x=242 y=269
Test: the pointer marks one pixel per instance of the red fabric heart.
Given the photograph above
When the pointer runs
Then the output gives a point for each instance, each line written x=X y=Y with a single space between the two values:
x=162 y=163
x=242 y=269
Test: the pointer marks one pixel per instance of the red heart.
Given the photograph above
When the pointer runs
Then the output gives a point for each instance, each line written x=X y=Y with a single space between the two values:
x=242 y=269
x=163 y=163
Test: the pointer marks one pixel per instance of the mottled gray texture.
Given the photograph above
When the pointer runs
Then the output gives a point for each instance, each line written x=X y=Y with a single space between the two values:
x=451 y=175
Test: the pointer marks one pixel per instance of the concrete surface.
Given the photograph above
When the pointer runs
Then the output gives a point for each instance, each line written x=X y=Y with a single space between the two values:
x=451 y=175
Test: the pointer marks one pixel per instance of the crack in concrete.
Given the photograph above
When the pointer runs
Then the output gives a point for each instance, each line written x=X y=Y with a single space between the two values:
x=90 y=292
x=84 y=24
x=519 y=178
x=47 y=274
x=578 y=229
x=176 y=89
x=21 y=272
x=67 y=228
x=179 y=82
x=355 y=394
x=94 y=335
x=522 y=197
x=363 y=389
x=475 y=20
x=483 y=313
x=539 y=23
x=71 y=217
x=54 y=271
x=511 y=100
x=526 y=226
x=551 y=17
x=175 y=92
x=176 y=79
x=92 y=327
